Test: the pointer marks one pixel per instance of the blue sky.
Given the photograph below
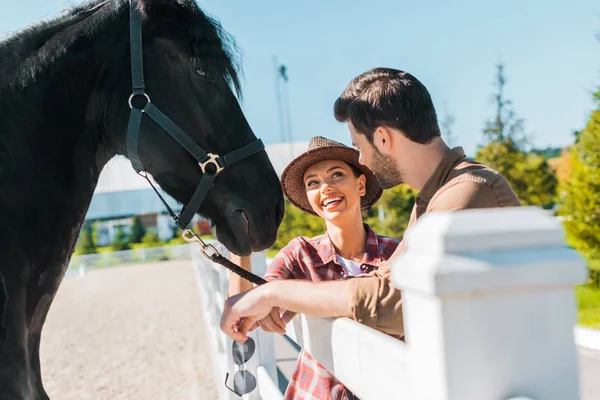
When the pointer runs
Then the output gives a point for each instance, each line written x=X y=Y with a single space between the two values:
x=549 y=48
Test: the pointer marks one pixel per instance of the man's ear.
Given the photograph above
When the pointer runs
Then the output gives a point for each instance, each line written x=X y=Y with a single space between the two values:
x=383 y=140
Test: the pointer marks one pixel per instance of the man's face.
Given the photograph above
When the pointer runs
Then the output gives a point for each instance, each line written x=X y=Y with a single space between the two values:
x=383 y=165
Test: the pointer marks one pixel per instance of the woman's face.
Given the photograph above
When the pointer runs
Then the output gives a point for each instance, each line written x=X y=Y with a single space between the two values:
x=333 y=190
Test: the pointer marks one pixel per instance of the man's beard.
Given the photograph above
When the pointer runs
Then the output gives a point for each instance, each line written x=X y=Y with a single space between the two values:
x=385 y=170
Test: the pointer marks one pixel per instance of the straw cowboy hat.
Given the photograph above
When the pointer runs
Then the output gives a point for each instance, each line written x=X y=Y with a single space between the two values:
x=321 y=149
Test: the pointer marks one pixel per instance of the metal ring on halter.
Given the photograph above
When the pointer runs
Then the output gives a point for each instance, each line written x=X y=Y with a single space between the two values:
x=138 y=94
x=212 y=159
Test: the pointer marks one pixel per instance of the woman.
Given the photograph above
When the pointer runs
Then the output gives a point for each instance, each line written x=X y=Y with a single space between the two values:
x=327 y=180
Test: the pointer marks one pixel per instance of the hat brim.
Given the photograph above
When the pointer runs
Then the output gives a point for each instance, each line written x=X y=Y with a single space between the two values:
x=292 y=176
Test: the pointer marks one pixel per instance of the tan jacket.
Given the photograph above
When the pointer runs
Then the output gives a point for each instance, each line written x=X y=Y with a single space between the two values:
x=456 y=184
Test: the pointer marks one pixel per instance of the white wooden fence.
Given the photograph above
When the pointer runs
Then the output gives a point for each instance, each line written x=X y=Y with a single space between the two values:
x=80 y=263
x=489 y=311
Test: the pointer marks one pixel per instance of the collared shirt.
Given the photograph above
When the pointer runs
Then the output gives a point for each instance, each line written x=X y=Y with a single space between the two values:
x=456 y=184
x=315 y=259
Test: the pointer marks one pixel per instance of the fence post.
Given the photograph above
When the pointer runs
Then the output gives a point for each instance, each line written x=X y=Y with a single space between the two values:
x=81 y=269
x=265 y=347
x=143 y=249
x=489 y=305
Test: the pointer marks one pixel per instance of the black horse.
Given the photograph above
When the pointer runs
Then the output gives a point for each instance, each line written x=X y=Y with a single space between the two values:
x=64 y=86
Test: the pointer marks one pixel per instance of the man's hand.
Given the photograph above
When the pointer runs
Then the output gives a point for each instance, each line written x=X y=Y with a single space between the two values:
x=243 y=310
x=275 y=321
x=321 y=299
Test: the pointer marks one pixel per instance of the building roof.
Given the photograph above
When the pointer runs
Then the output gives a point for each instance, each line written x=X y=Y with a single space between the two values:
x=118 y=204
x=122 y=192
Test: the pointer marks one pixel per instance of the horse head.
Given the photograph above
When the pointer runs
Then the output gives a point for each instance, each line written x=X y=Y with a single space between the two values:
x=191 y=75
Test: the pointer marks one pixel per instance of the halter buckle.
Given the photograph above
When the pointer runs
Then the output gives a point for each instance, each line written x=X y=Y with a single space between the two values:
x=212 y=159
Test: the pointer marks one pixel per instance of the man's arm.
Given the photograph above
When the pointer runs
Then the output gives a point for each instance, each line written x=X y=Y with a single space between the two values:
x=343 y=298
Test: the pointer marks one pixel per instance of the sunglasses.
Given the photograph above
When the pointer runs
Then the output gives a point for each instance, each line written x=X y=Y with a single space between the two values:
x=243 y=381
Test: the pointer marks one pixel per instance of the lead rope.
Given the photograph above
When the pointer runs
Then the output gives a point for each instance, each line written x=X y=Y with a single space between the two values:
x=209 y=251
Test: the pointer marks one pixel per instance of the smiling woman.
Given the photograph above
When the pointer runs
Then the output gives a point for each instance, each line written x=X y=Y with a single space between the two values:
x=328 y=181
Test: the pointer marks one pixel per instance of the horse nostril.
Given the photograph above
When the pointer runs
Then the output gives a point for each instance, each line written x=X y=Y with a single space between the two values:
x=279 y=211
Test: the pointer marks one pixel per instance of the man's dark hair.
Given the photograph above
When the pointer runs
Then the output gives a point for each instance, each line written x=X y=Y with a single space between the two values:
x=392 y=98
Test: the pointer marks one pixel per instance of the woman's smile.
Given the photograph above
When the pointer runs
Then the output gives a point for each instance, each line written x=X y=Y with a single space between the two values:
x=331 y=202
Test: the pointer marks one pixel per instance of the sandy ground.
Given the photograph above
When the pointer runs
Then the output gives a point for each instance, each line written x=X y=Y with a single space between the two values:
x=132 y=332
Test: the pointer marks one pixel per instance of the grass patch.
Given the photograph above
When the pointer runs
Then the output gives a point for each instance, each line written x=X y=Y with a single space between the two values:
x=588 y=306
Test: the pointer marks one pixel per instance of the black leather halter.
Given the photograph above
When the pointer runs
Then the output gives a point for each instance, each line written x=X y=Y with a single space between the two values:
x=210 y=164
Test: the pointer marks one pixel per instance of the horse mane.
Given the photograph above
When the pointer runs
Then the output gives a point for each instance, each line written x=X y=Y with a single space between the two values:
x=26 y=52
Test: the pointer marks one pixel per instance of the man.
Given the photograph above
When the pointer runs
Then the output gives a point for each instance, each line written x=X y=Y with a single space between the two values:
x=393 y=124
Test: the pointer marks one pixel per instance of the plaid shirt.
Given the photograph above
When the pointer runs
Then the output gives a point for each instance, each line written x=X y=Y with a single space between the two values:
x=315 y=259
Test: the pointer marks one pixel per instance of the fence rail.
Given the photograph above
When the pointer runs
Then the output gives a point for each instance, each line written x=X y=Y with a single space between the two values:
x=139 y=255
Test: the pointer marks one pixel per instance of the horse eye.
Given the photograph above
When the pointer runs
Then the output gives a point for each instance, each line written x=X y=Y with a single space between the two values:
x=203 y=74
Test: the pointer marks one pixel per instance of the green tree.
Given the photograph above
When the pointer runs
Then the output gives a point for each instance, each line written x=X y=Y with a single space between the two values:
x=528 y=173
x=297 y=223
x=580 y=200
x=85 y=244
x=137 y=230
x=396 y=205
x=120 y=241
x=95 y=232
x=151 y=239
x=535 y=182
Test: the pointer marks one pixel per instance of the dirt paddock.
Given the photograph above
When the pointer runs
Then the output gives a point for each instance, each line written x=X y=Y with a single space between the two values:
x=133 y=332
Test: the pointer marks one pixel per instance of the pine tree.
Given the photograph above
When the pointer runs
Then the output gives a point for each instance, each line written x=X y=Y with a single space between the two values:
x=120 y=240
x=505 y=126
x=528 y=173
x=85 y=244
x=137 y=230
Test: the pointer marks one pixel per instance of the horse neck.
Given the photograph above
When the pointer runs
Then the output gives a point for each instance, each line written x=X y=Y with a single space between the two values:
x=53 y=147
